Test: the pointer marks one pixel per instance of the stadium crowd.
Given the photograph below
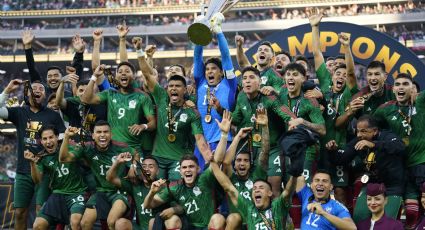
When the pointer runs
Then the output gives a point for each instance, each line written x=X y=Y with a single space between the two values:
x=268 y=149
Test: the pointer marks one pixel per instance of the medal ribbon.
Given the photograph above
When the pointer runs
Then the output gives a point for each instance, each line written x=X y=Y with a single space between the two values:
x=269 y=226
x=171 y=118
x=256 y=126
x=297 y=105
x=407 y=118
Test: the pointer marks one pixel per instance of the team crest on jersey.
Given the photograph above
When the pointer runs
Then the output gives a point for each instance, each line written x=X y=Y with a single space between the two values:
x=197 y=191
x=328 y=209
x=414 y=110
x=249 y=184
x=132 y=104
x=260 y=106
x=183 y=117
x=263 y=80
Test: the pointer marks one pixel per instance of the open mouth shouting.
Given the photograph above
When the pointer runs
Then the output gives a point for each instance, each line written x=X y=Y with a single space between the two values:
x=53 y=83
x=124 y=80
x=290 y=85
x=374 y=85
x=50 y=147
x=320 y=191
x=401 y=95
x=103 y=141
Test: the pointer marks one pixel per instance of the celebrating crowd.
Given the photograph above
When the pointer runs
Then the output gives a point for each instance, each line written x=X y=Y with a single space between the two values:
x=269 y=149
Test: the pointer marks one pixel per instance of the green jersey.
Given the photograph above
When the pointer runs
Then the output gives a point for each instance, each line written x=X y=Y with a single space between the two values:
x=244 y=187
x=374 y=101
x=264 y=219
x=64 y=177
x=278 y=115
x=139 y=192
x=396 y=118
x=101 y=161
x=185 y=121
x=269 y=77
x=336 y=103
x=125 y=110
x=198 y=202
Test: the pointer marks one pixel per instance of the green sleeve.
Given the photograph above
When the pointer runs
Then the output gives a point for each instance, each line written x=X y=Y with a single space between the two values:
x=78 y=151
x=159 y=93
x=281 y=205
x=277 y=83
x=196 y=124
x=315 y=113
x=259 y=173
x=280 y=109
x=40 y=166
x=74 y=100
x=164 y=195
x=237 y=114
x=127 y=186
x=103 y=95
x=147 y=106
x=243 y=206
x=325 y=78
x=207 y=178
x=420 y=99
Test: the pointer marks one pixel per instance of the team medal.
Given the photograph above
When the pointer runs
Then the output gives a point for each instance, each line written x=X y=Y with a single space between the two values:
x=406 y=141
x=207 y=118
x=364 y=179
x=256 y=137
x=171 y=137
x=128 y=158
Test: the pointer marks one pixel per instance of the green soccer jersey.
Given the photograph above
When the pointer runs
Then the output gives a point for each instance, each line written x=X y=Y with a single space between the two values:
x=336 y=103
x=374 y=101
x=269 y=77
x=64 y=177
x=255 y=219
x=139 y=192
x=278 y=115
x=186 y=121
x=198 y=202
x=101 y=161
x=393 y=116
x=244 y=187
x=125 y=110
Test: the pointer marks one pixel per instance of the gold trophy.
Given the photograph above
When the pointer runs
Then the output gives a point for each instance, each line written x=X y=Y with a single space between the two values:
x=200 y=31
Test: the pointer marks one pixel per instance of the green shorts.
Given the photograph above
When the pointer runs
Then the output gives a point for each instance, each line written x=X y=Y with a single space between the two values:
x=275 y=168
x=23 y=192
x=362 y=212
x=54 y=210
x=42 y=190
x=103 y=202
x=415 y=178
x=168 y=169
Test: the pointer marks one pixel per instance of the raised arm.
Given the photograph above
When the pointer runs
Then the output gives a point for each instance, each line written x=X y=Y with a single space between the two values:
x=146 y=69
x=35 y=174
x=263 y=121
x=231 y=151
x=315 y=17
x=10 y=88
x=89 y=97
x=224 y=126
x=64 y=154
x=150 y=51
x=122 y=33
x=152 y=200
x=203 y=147
x=27 y=39
x=79 y=46
x=60 y=100
x=344 y=38
x=198 y=64
x=225 y=183
x=240 y=55
x=111 y=174
x=95 y=56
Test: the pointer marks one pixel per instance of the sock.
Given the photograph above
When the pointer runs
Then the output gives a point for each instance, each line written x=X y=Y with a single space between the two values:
x=412 y=214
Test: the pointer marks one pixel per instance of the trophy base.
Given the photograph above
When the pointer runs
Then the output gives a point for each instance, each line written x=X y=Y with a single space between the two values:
x=199 y=34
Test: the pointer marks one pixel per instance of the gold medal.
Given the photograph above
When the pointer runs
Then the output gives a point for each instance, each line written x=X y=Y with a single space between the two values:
x=171 y=137
x=406 y=141
x=256 y=137
x=207 y=118
x=364 y=179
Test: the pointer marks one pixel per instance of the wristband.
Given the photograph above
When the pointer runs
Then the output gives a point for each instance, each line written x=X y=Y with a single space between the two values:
x=146 y=126
x=225 y=135
x=93 y=78
x=140 y=53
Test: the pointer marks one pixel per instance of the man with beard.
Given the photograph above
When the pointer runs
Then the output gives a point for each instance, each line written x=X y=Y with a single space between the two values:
x=66 y=200
x=175 y=121
x=319 y=211
x=54 y=73
x=405 y=118
x=146 y=174
x=242 y=177
x=106 y=203
x=28 y=119
x=216 y=85
x=248 y=101
x=125 y=106
x=270 y=80
x=306 y=110
x=282 y=59
x=374 y=94
x=337 y=87
x=196 y=193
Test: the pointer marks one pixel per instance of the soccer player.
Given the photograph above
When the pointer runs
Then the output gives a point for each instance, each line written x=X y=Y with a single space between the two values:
x=282 y=59
x=54 y=73
x=106 y=203
x=248 y=101
x=65 y=181
x=28 y=119
x=376 y=93
x=319 y=211
x=405 y=119
x=175 y=121
x=265 y=55
x=306 y=110
x=125 y=106
x=376 y=201
x=243 y=177
x=382 y=154
x=337 y=87
x=216 y=85
x=147 y=173
x=196 y=193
